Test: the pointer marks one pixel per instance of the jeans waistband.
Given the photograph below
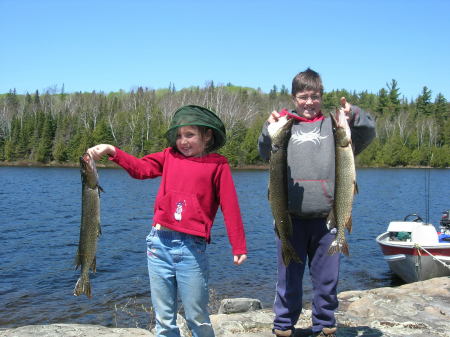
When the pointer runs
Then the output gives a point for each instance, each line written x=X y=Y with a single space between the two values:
x=167 y=233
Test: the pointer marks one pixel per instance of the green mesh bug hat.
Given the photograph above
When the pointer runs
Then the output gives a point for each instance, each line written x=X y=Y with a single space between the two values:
x=200 y=116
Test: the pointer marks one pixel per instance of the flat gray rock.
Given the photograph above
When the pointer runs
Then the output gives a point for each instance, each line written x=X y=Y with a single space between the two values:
x=420 y=309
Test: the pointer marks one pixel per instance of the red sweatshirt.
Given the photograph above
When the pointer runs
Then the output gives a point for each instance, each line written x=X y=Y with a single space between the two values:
x=191 y=190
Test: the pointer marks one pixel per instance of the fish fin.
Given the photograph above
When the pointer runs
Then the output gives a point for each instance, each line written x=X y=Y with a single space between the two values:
x=337 y=247
x=277 y=232
x=77 y=259
x=100 y=189
x=94 y=264
x=83 y=286
x=334 y=248
x=349 y=223
x=288 y=254
x=331 y=222
x=291 y=227
x=344 y=248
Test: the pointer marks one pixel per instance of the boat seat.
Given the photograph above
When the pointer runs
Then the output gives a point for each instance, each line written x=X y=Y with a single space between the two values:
x=425 y=235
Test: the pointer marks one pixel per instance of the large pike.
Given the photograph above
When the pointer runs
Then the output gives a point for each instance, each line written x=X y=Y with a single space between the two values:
x=90 y=224
x=345 y=184
x=280 y=132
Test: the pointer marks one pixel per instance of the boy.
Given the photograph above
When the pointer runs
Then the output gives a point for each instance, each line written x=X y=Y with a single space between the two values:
x=311 y=165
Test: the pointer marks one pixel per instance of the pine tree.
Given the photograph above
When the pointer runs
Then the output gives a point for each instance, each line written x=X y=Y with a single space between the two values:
x=441 y=107
x=423 y=103
x=45 y=145
x=383 y=102
x=394 y=94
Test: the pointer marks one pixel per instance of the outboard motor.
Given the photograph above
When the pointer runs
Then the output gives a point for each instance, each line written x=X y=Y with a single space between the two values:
x=445 y=220
x=445 y=227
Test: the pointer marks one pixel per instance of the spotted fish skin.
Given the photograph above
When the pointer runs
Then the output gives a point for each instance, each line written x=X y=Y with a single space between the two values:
x=278 y=194
x=90 y=224
x=345 y=186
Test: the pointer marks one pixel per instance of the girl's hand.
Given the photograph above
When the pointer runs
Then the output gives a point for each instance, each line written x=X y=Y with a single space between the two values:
x=98 y=151
x=239 y=259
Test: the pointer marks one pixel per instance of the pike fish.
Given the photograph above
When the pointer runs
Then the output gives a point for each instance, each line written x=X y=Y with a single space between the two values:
x=345 y=184
x=90 y=224
x=280 y=132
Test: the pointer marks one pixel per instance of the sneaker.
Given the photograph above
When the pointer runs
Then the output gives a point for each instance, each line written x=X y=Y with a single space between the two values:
x=282 y=333
x=326 y=332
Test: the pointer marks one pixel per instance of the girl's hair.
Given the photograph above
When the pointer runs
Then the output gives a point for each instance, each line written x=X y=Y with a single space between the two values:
x=307 y=80
x=203 y=131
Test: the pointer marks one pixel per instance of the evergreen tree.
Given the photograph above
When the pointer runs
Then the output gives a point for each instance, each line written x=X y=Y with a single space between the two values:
x=423 y=103
x=45 y=145
x=394 y=94
x=441 y=107
x=383 y=102
x=273 y=92
x=284 y=91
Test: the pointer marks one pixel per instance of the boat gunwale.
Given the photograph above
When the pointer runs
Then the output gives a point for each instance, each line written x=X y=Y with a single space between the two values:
x=381 y=240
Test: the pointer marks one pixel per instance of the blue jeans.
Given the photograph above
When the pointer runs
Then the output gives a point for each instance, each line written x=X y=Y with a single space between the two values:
x=178 y=265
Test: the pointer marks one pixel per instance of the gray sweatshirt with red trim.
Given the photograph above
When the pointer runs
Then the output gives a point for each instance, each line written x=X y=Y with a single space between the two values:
x=311 y=161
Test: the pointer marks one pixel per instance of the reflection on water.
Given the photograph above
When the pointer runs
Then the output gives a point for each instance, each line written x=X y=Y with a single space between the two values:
x=40 y=215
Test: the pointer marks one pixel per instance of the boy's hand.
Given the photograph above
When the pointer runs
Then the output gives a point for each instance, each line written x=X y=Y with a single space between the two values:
x=239 y=259
x=98 y=151
x=274 y=116
x=347 y=108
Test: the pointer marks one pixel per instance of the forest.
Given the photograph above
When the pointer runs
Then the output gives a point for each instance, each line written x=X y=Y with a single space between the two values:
x=55 y=128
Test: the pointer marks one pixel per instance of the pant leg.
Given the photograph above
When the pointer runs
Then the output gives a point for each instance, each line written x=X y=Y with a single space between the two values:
x=163 y=284
x=289 y=289
x=192 y=276
x=324 y=271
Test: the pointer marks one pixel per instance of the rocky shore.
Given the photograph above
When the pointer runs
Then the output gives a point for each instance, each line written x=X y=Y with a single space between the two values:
x=420 y=309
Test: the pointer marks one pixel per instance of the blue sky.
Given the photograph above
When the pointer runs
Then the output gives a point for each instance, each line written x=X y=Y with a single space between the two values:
x=112 y=45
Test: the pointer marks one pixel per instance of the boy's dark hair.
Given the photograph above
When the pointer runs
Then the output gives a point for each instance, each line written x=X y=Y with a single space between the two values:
x=307 y=80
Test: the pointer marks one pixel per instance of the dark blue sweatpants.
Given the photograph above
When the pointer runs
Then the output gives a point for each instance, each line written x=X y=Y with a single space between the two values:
x=311 y=240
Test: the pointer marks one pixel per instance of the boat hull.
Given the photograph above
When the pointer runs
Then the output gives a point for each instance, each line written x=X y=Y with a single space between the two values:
x=414 y=263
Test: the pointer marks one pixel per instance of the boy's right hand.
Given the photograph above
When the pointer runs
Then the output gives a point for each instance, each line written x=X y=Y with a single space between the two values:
x=98 y=151
x=274 y=116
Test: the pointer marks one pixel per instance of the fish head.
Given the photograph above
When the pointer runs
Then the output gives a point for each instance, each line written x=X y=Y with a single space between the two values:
x=88 y=170
x=342 y=133
x=279 y=130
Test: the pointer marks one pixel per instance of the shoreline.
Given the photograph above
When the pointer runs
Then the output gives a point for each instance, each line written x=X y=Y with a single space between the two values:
x=25 y=163
x=419 y=309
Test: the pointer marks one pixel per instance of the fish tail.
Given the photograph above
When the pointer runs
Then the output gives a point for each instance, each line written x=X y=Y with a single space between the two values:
x=344 y=248
x=288 y=254
x=338 y=247
x=83 y=286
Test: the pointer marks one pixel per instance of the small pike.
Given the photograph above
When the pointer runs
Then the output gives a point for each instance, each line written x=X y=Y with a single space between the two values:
x=280 y=132
x=90 y=224
x=345 y=185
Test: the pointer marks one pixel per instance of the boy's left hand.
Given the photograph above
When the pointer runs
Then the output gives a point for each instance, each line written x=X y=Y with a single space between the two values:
x=239 y=259
x=346 y=108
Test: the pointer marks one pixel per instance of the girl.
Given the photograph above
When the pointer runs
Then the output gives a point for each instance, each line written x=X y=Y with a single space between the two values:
x=194 y=183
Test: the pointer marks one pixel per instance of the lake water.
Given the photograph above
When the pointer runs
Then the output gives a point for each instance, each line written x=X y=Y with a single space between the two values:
x=39 y=222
